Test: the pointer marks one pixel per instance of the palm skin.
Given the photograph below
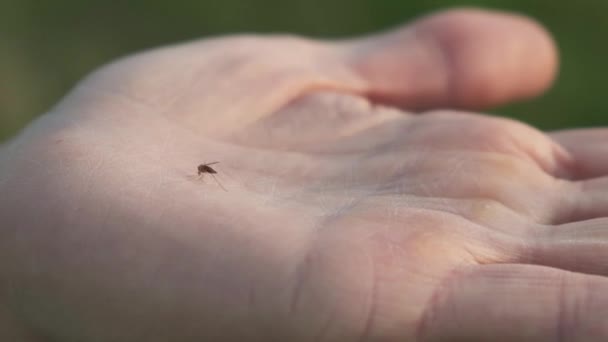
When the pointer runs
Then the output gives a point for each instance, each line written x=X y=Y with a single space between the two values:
x=344 y=218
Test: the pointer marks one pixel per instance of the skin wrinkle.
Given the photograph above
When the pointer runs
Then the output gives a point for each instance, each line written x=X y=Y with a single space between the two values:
x=302 y=270
x=351 y=151
x=350 y=113
x=447 y=62
x=577 y=166
x=429 y=193
x=294 y=90
x=324 y=331
x=588 y=300
x=361 y=120
x=564 y=164
x=480 y=243
x=301 y=276
x=402 y=204
x=447 y=178
x=480 y=187
x=341 y=211
x=576 y=211
x=485 y=220
x=418 y=157
x=464 y=215
x=301 y=85
x=507 y=136
x=510 y=256
x=499 y=134
x=562 y=327
x=542 y=246
x=426 y=323
x=566 y=207
x=372 y=306
x=389 y=146
x=557 y=165
x=537 y=218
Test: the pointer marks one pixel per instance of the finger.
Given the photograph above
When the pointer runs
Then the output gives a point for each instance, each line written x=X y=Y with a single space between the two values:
x=588 y=148
x=589 y=169
x=575 y=201
x=589 y=200
x=460 y=58
x=463 y=58
x=575 y=246
x=517 y=303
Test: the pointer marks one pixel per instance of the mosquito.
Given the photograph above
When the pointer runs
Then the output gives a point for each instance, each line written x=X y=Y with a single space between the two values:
x=206 y=168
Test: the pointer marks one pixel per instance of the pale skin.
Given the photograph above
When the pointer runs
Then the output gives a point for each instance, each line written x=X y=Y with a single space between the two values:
x=347 y=216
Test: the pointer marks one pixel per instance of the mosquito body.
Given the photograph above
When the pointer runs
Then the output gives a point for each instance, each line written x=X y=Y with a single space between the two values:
x=207 y=169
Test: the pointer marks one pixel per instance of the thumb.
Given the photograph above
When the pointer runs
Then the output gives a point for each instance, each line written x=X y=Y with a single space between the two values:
x=461 y=58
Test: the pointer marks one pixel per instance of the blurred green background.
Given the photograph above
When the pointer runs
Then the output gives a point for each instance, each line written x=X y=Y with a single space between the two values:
x=47 y=46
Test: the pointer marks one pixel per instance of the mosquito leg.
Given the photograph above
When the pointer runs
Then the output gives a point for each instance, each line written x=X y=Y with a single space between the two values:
x=218 y=182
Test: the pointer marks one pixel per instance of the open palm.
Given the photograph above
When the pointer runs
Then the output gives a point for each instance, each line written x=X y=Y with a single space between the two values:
x=343 y=218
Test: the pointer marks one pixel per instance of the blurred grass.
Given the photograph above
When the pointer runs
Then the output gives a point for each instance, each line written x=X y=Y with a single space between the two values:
x=45 y=47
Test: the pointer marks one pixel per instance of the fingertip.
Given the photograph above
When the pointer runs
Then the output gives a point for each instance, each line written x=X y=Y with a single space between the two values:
x=495 y=57
x=467 y=58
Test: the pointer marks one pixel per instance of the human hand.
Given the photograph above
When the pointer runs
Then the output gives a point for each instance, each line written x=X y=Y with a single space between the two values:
x=344 y=219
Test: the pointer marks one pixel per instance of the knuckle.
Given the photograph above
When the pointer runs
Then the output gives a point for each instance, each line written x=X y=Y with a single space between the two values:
x=500 y=134
x=590 y=298
x=480 y=132
x=477 y=133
